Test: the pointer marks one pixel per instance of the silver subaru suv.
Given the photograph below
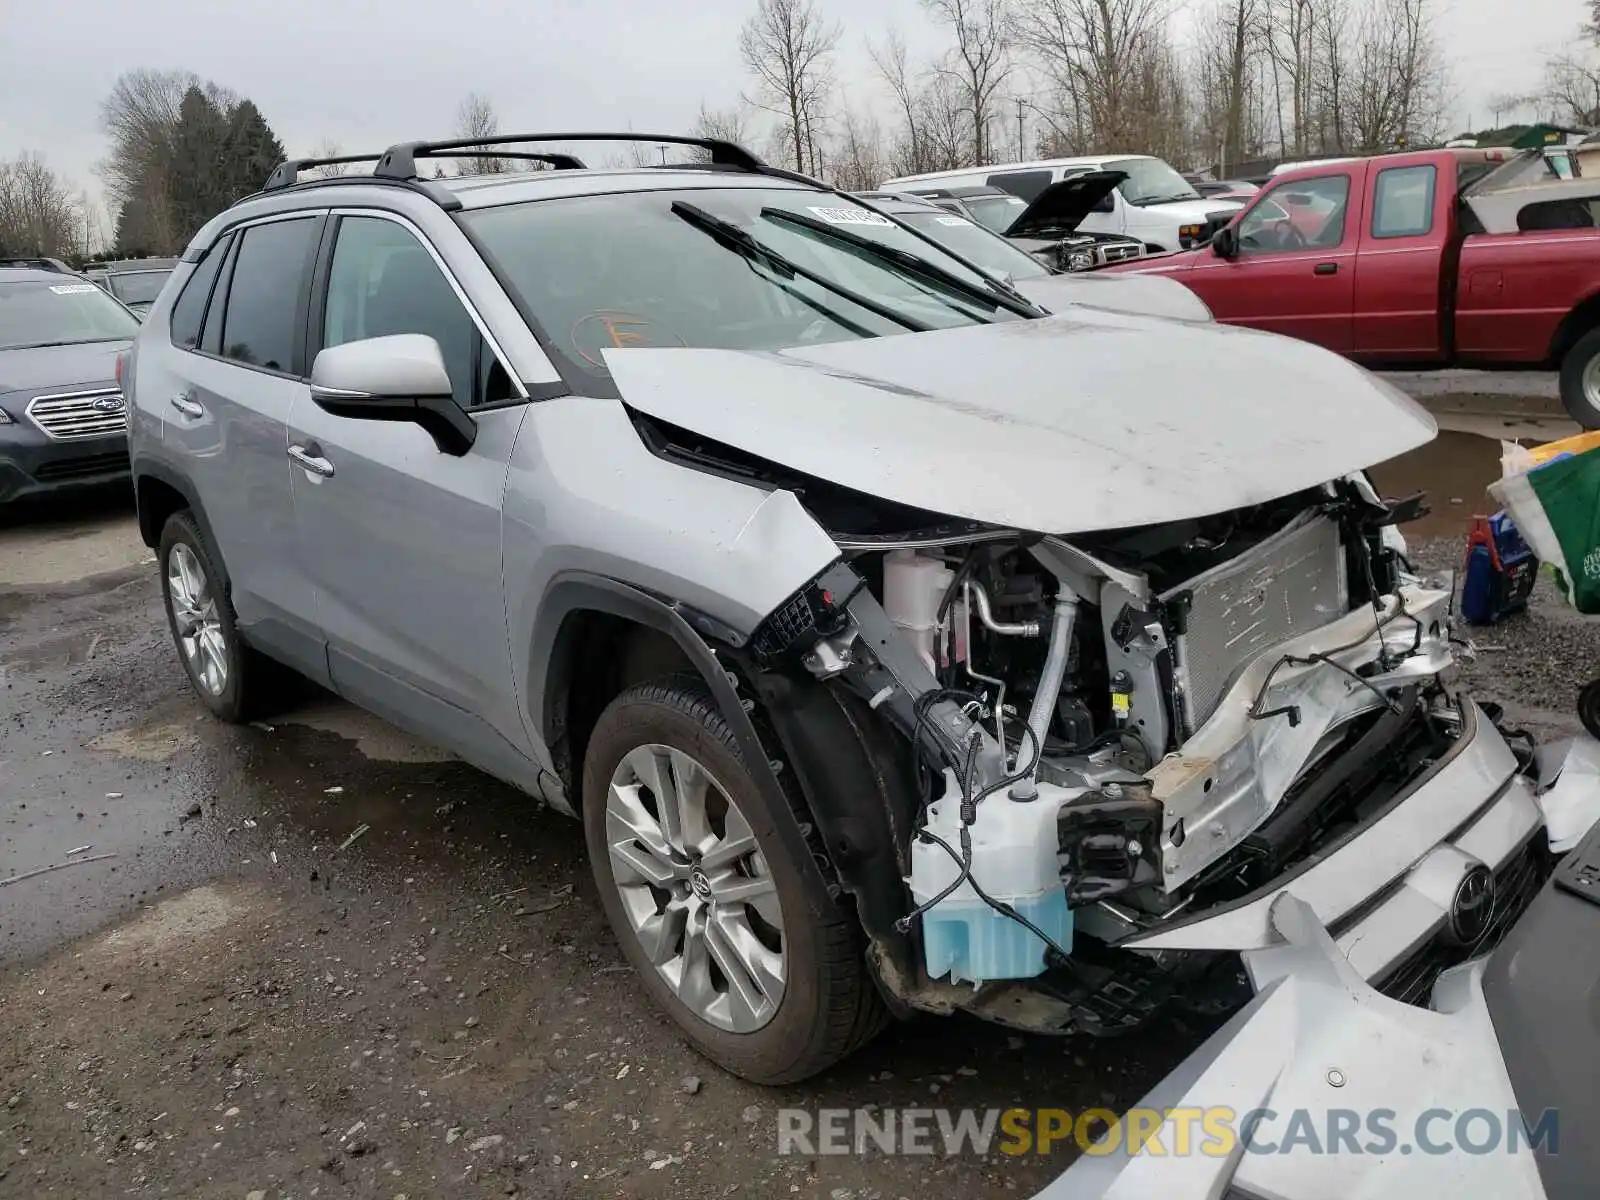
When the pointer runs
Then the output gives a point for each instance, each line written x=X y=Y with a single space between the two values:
x=901 y=645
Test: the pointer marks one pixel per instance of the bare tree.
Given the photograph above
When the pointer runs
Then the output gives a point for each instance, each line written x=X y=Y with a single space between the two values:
x=141 y=117
x=1228 y=81
x=476 y=118
x=789 y=47
x=328 y=148
x=724 y=124
x=1572 y=87
x=38 y=213
x=980 y=61
x=859 y=161
x=1105 y=59
x=1398 y=84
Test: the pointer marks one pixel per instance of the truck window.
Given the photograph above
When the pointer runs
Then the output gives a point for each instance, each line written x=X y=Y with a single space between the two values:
x=1027 y=184
x=1402 y=202
x=1572 y=212
x=1307 y=214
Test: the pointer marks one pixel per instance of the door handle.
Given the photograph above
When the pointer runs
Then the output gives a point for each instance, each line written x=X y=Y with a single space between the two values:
x=188 y=406
x=310 y=457
x=1326 y=269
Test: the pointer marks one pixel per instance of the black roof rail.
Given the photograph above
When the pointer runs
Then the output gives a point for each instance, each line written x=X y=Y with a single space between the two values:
x=287 y=173
x=400 y=161
x=39 y=264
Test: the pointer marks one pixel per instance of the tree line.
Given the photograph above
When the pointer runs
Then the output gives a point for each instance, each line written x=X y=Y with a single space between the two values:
x=1044 y=78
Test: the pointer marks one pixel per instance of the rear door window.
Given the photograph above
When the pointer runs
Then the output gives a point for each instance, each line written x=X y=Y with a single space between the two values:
x=1027 y=184
x=1402 y=202
x=190 y=310
x=266 y=296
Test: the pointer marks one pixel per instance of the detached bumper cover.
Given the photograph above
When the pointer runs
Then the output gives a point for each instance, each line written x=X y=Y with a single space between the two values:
x=1514 y=1033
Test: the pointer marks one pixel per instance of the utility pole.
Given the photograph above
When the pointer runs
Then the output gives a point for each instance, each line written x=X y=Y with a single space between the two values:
x=1022 y=146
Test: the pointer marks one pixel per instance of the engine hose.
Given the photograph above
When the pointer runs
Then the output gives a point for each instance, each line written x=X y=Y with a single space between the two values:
x=1044 y=699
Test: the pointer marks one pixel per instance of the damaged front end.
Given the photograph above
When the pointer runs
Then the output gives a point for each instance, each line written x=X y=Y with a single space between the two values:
x=1064 y=778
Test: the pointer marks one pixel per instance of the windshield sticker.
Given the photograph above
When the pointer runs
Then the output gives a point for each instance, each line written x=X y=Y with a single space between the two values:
x=952 y=220
x=72 y=289
x=849 y=216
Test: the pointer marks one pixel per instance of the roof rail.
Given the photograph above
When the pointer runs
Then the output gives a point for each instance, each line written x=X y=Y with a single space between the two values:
x=287 y=173
x=400 y=161
x=39 y=264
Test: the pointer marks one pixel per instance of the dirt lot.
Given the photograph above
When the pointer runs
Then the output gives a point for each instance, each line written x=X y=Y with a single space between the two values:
x=320 y=959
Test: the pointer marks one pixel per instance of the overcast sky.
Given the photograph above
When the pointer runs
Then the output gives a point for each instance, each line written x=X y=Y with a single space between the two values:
x=369 y=72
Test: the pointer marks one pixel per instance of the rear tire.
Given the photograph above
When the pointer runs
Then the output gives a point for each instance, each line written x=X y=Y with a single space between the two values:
x=819 y=1003
x=235 y=682
x=1589 y=707
x=1580 y=380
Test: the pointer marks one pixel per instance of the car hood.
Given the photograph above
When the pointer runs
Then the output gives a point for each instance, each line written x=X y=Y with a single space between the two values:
x=1084 y=421
x=1148 y=295
x=1194 y=212
x=1058 y=209
x=40 y=367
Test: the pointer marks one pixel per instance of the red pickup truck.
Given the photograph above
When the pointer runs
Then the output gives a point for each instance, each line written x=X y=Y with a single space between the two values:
x=1428 y=259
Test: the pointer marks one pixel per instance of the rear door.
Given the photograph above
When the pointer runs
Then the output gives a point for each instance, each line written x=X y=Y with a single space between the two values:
x=240 y=371
x=1296 y=267
x=402 y=539
x=1402 y=259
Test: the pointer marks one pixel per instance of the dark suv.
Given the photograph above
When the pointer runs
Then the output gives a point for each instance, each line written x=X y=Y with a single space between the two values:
x=63 y=421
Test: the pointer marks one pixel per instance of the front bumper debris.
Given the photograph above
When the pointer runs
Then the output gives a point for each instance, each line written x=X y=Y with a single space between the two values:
x=1509 y=1039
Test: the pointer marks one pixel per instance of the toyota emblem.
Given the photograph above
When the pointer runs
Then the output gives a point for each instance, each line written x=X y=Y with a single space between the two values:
x=1472 y=906
x=109 y=404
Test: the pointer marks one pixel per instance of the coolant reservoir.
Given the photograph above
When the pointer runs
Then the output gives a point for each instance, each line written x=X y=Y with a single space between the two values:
x=1013 y=860
x=913 y=588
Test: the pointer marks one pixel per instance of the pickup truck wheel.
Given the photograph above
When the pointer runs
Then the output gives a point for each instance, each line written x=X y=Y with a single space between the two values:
x=1580 y=380
x=753 y=960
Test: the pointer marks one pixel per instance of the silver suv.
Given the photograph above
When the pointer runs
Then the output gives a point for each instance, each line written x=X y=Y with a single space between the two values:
x=901 y=647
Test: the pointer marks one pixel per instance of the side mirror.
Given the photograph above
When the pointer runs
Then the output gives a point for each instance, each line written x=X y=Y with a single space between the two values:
x=400 y=377
x=1225 y=242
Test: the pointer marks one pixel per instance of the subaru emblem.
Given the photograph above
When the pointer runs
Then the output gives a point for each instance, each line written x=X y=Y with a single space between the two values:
x=109 y=404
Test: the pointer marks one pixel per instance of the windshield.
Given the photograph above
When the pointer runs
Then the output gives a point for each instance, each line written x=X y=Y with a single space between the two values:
x=976 y=244
x=648 y=269
x=998 y=213
x=1151 y=181
x=138 y=287
x=39 y=313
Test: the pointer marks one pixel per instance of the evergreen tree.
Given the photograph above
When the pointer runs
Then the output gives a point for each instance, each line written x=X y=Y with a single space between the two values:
x=253 y=150
x=201 y=154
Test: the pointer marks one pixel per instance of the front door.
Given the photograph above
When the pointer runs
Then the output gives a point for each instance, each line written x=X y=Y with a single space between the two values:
x=402 y=539
x=1295 y=270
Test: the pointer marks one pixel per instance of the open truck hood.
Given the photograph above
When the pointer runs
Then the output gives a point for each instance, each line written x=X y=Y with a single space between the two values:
x=1086 y=421
x=1057 y=211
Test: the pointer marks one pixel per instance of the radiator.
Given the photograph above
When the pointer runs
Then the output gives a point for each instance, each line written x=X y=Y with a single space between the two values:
x=1287 y=585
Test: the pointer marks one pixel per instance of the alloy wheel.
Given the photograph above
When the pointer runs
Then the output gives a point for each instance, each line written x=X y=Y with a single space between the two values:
x=696 y=888
x=194 y=616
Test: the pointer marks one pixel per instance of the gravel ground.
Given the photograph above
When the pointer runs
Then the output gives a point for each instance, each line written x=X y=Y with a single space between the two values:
x=242 y=1001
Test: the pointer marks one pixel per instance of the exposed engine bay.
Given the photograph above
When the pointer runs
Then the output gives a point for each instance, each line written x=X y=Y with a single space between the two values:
x=1122 y=730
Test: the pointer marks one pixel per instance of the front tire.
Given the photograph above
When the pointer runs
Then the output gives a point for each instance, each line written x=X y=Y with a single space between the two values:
x=1580 y=380
x=750 y=956
x=230 y=678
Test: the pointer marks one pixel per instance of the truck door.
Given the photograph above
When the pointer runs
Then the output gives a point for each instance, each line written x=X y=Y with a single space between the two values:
x=1399 y=302
x=1295 y=270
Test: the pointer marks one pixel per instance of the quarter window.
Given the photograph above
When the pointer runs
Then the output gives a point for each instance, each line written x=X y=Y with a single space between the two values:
x=1027 y=184
x=190 y=310
x=1402 y=202
x=383 y=281
x=264 y=296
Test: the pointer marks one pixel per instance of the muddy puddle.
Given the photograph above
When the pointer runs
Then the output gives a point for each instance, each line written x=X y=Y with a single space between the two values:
x=1456 y=469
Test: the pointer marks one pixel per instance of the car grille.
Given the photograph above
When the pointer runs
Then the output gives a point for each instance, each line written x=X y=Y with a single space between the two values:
x=88 y=464
x=1516 y=884
x=1121 y=253
x=72 y=415
x=1290 y=584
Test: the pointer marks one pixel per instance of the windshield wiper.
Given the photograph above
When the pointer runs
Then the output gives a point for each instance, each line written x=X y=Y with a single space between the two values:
x=1173 y=199
x=740 y=241
x=73 y=342
x=911 y=264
